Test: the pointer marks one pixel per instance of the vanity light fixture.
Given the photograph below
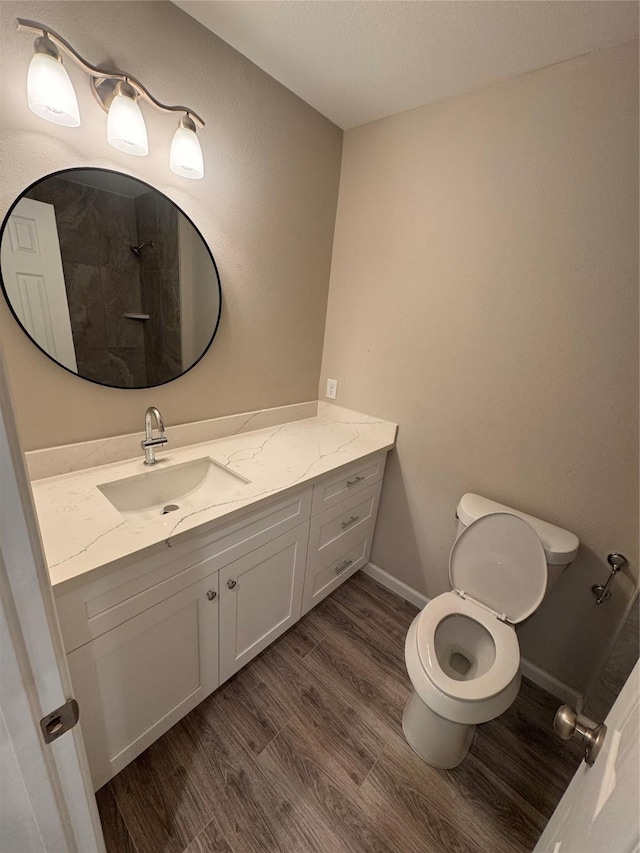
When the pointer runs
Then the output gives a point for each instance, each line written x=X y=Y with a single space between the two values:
x=49 y=90
x=126 y=129
x=186 y=155
x=51 y=96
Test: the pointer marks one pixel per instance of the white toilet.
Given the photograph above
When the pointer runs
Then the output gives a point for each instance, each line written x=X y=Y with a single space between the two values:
x=462 y=652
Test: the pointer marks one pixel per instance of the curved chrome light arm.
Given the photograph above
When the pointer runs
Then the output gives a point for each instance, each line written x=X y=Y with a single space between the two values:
x=100 y=76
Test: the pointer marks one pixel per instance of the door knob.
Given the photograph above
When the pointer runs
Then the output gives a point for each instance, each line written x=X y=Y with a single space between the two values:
x=231 y=584
x=568 y=724
x=211 y=594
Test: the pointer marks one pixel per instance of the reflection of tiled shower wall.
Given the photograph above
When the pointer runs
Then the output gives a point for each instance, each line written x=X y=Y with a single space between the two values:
x=160 y=286
x=95 y=229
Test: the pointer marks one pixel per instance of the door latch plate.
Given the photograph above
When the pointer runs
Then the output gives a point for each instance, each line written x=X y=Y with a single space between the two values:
x=60 y=721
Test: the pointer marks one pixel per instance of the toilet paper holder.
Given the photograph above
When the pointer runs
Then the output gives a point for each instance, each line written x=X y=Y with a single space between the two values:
x=602 y=591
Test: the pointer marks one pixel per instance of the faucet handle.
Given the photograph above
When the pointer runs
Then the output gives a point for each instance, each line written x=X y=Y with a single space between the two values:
x=149 y=442
x=153 y=442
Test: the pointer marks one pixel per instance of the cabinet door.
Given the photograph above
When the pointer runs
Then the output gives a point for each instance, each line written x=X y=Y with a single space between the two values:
x=260 y=597
x=134 y=682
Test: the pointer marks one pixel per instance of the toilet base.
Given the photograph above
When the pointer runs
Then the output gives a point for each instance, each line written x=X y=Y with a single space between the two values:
x=441 y=743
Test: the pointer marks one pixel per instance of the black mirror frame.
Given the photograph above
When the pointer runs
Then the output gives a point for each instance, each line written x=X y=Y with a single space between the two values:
x=63 y=172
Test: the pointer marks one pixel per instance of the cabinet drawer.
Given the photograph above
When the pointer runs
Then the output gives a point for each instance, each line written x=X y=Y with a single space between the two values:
x=338 y=564
x=350 y=481
x=334 y=525
x=98 y=606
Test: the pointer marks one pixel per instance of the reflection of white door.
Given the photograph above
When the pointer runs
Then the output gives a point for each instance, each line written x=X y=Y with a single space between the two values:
x=599 y=810
x=34 y=279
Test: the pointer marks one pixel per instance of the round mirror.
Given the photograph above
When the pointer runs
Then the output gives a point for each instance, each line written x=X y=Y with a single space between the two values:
x=109 y=278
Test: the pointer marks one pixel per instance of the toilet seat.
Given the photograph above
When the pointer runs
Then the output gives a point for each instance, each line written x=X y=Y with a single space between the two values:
x=499 y=561
x=507 y=651
x=498 y=572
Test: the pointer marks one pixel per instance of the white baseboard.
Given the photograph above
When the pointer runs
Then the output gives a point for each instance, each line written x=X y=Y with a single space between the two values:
x=399 y=587
x=551 y=684
x=530 y=670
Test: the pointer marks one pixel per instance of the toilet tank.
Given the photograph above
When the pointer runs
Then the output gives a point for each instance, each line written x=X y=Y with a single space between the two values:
x=560 y=546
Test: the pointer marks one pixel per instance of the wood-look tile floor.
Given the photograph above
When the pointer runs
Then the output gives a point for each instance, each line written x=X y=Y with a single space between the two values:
x=303 y=751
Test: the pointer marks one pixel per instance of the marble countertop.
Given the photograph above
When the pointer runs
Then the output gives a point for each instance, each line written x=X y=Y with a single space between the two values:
x=81 y=530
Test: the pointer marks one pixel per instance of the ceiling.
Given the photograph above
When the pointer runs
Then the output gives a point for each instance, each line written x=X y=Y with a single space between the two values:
x=357 y=61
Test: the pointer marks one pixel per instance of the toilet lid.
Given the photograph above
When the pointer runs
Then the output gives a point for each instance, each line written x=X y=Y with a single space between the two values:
x=499 y=561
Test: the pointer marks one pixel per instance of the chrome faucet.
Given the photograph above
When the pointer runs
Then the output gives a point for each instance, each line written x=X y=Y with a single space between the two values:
x=149 y=442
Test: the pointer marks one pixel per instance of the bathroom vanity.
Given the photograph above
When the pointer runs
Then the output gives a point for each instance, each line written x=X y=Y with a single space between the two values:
x=158 y=608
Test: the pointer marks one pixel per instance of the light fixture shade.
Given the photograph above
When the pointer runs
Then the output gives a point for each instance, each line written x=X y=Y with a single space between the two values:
x=50 y=91
x=185 y=158
x=126 y=129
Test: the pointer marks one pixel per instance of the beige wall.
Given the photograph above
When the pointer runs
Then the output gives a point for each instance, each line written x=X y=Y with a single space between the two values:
x=266 y=207
x=484 y=295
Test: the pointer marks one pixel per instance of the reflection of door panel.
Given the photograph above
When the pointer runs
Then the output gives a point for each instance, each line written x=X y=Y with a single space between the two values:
x=34 y=279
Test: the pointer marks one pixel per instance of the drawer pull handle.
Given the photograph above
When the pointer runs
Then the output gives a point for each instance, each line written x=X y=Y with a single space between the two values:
x=355 y=480
x=351 y=521
x=232 y=584
x=211 y=594
x=343 y=566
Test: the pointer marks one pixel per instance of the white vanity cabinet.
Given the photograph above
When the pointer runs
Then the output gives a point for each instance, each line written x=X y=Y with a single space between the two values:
x=148 y=639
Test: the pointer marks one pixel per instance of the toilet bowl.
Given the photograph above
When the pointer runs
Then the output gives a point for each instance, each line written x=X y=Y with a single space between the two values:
x=461 y=650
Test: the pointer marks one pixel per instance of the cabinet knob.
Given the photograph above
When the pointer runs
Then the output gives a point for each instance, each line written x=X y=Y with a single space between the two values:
x=211 y=594
x=232 y=584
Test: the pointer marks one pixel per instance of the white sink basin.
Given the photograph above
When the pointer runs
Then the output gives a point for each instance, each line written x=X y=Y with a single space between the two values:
x=185 y=487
